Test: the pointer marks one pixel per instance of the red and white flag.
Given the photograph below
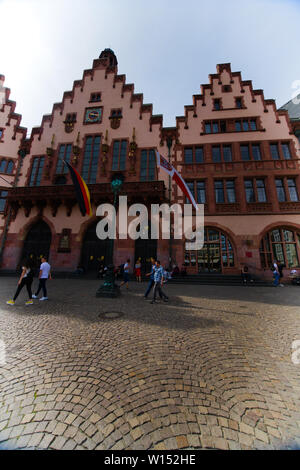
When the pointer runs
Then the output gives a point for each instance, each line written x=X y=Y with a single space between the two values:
x=168 y=168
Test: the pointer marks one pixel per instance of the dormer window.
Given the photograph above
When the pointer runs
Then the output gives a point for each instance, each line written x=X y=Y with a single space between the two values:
x=71 y=117
x=95 y=97
x=116 y=113
x=238 y=103
x=217 y=104
x=226 y=88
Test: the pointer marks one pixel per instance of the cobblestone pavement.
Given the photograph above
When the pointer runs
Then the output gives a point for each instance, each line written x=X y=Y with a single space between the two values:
x=210 y=369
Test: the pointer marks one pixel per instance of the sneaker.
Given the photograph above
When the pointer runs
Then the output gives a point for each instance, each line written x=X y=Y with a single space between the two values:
x=44 y=298
x=166 y=300
x=35 y=297
x=29 y=302
x=10 y=302
x=153 y=302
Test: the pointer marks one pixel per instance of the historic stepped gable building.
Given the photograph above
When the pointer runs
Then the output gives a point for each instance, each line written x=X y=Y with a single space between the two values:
x=12 y=138
x=237 y=152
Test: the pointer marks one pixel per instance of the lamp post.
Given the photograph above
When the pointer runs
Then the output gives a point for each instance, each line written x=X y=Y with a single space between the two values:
x=169 y=145
x=109 y=288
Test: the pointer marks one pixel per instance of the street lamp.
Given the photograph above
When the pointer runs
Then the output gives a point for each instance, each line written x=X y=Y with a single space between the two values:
x=169 y=145
x=109 y=288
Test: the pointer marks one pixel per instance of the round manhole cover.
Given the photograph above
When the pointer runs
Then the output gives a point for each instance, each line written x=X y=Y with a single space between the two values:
x=111 y=315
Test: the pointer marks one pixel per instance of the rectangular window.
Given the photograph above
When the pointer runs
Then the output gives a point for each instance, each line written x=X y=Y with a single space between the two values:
x=95 y=97
x=238 y=126
x=3 y=196
x=188 y=155
x=199 y=157
x=90 y=159
x=193 y=155
x=215 y=127
x=274 y=151
x=249 y=190
x=64 y=153
x=119 y=155
x=219 y=192
x=217 y=104
x=286 y=151
x=222 y=126
x=256 y=152
x=216 y=153
x=245 y=154
x=36 y=171
x=245 y=125
x=261 y=190
x=227 y=155
x=238 y=103
x=253 y=125
x=230 y=189
x=191 y=186
x=201 y=198
x=148 y=165
x=292 y=190
x=280 y=190
x=208 y=128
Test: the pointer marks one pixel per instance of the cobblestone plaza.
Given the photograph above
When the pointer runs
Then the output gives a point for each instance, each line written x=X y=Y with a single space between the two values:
x=211 y=369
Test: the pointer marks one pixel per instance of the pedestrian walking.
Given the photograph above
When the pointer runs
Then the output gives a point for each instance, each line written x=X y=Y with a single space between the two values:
x=44 y=275
x=26 y=279
x=276 y=274
x=151 y=280
x=138 y=273
x=126 y=274
x=158 y=282
x=280 y=270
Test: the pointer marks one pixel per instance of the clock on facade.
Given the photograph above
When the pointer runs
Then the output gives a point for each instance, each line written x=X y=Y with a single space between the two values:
x=93 y=115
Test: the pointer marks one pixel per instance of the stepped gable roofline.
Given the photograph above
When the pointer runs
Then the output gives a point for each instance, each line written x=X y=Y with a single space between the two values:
x=12 y=116
x=243 y=83
x=101 y=63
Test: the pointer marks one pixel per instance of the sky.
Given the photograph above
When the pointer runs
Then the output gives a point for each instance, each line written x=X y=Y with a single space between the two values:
x=167 y=48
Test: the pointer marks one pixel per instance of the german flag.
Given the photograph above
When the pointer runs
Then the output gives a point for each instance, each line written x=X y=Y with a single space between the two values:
x=81 y=190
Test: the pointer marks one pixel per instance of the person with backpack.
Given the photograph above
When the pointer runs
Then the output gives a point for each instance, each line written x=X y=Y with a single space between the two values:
x=158 y=282
x=26 y=279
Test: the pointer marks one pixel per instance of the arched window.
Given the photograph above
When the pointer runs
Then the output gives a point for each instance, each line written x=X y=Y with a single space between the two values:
x=281 y=244
x=216 y=254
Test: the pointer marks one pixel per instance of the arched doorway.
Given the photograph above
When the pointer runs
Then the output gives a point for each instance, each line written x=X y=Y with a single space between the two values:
x=217 y=253
x=94 y=251
x=37 y=242
x=281 y=244
x=146 y=249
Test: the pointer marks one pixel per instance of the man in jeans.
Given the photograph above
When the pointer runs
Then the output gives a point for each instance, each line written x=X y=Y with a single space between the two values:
x=158 y=281
x=45 y=273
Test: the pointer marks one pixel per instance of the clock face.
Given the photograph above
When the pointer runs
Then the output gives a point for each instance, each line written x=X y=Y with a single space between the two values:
x=93 y=115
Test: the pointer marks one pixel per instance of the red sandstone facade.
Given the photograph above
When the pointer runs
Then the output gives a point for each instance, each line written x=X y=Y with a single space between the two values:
x=235 y=149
